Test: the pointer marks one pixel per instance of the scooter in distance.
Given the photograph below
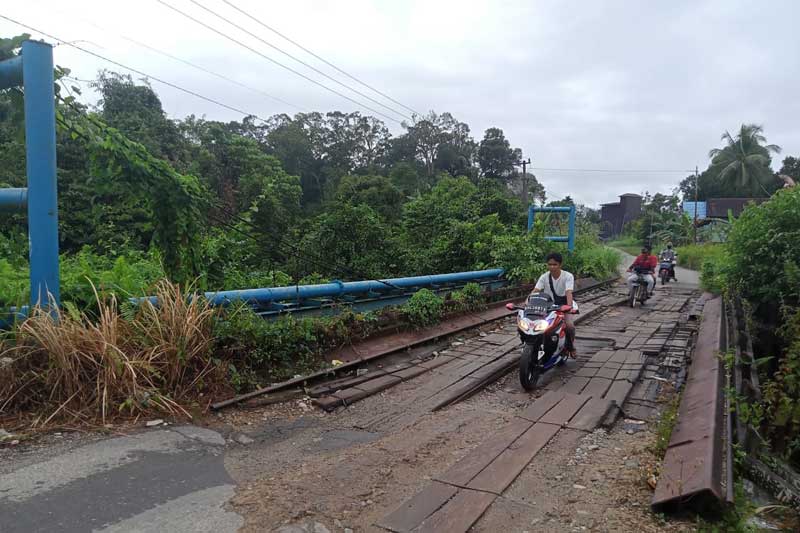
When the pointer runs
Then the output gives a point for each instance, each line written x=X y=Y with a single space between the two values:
x=666 y=271
x=638 y=292
x=541 y=328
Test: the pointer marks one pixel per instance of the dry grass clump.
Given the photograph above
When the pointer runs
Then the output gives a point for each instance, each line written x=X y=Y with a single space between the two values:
x=67 y=364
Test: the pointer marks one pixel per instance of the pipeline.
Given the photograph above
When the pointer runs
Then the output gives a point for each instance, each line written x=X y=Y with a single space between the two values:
x=266 y=297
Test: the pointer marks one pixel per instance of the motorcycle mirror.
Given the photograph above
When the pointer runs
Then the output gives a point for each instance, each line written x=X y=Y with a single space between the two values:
x=510 y=306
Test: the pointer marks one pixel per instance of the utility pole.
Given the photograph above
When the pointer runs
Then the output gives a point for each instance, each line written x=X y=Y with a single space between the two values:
x=696 y=193
x=525 y=181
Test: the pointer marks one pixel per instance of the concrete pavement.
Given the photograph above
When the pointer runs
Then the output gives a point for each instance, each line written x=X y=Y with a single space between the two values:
x=155 y=480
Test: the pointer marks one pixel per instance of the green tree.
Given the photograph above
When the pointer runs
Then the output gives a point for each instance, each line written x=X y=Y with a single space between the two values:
x=348 y=241
x=377 y=192
x=496 y=157
x=136 y=110
x=745 y=161
x=791 y=168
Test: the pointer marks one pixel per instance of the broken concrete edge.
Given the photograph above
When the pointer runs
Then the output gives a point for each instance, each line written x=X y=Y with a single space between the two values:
x=706 y=493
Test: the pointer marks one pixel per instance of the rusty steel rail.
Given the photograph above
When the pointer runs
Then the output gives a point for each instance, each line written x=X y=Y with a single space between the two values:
x=693 y=475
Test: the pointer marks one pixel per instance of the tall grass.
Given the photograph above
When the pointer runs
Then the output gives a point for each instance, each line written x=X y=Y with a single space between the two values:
x=72 y=365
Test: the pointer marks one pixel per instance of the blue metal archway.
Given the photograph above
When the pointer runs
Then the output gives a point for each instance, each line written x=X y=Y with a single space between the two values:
x=570 y=238
x=33 y=71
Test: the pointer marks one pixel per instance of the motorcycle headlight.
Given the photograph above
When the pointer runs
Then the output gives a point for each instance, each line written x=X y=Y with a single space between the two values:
x=540 y=325
x=523 y=324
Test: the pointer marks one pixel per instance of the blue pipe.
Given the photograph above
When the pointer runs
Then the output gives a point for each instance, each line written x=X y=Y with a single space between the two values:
x=40 y=144
x=337 y=288
x=13 y=200
x=11 y=73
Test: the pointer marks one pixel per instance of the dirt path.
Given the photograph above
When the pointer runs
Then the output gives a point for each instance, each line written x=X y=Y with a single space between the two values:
x=350 y=469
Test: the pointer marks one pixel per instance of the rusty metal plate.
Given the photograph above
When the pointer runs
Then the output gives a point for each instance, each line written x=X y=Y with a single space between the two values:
x=691 y=475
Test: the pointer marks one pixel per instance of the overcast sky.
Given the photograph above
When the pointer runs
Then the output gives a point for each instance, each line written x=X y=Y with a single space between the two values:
x=578 y=85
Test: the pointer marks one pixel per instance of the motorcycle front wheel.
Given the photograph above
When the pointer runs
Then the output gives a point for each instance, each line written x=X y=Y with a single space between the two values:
x=665 y=277
x=529 y=368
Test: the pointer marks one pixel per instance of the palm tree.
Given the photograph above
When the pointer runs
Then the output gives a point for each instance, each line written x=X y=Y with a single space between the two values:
x=744 y=162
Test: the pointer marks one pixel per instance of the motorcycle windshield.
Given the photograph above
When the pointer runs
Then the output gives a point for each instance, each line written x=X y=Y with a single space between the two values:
x=537 y=306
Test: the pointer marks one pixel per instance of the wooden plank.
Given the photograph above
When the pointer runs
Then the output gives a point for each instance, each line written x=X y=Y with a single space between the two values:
x=597 y=387
x=504 y=470
x=619 y=392
x=607 y=373
x=459 y=514
x=467 y=468
x=602 y=356
x=414 y=511
x=566 y=409
x=541 y=406
x=328 y=403
x=349 y=396
x=590 y=415
x=410 y=373
x=377 y=385
x=575 y=385
x=587 y=371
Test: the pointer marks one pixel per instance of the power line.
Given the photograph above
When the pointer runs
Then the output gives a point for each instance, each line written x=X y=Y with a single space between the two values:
x=290 y=69
x=190 y=64
x=287 y=54
x=615 y=170
x=273 y=30
x=136 y=71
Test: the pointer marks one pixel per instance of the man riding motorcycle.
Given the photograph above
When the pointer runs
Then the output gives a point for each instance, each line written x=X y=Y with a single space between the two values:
x=647 y=261
x=559 y=284
x=672 y=256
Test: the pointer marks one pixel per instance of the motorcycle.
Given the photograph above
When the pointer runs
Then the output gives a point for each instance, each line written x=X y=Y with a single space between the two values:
x=665 y=271
x=541 y=328
x=638 y=292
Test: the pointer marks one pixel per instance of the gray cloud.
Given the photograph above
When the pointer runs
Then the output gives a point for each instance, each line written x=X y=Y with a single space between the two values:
x=615 y=84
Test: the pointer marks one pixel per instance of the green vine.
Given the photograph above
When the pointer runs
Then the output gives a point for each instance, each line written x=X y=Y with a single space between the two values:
x=175 y=199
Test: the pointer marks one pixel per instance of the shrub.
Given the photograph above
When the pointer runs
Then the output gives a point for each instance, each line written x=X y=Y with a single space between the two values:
x=468 y=298
x=423 y=308
x=693 y=255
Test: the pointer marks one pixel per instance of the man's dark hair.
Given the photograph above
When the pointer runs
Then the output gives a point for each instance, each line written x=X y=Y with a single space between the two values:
x=647 y=247
x=555 y=256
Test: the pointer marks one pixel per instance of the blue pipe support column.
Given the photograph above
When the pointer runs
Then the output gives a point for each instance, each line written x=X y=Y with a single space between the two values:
x=40 y=142
x=571 y=241
x=13 y=200
x=530 y=217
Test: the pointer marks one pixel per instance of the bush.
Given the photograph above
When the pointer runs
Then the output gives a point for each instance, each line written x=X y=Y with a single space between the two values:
x=591 y=259
x=693 y=255
x=423 y=308
x=126 y=275
x=468 y=298
x=520 y=254
x=764 y=249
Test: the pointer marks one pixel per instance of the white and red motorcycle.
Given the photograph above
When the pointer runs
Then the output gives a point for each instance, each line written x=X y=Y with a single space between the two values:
x=541 y=328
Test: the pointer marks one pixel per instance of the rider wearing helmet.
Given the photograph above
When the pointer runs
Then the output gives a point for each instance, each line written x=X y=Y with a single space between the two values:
x=672 y=256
